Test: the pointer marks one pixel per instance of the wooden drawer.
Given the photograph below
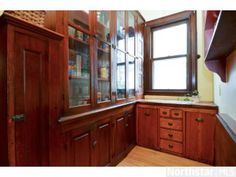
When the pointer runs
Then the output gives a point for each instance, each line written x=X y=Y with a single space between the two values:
x=171 y=124
x=175 y=113
x=171 y=146
x=171 y=134
x=164 y=112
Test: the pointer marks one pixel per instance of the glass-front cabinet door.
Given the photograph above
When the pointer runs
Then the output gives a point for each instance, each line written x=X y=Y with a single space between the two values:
x=121 y=75
x=103 y=56
x=79 y=60
x=131 y=33
x=120 y=30
x=131 y=76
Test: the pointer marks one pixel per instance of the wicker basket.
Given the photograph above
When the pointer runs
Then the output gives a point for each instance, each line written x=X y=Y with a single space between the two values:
x=35 y=17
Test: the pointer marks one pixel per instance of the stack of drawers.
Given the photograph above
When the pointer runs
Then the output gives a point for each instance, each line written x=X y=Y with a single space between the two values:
x=171 y=130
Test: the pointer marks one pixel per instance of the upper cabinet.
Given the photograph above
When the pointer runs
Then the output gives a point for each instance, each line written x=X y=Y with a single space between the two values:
x=220 y=40
x=104 y=57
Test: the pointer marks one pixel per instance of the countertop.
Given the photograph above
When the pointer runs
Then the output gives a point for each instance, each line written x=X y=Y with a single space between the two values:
x=178 y=103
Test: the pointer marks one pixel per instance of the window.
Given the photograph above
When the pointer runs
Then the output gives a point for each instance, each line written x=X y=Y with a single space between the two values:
x=170 y=61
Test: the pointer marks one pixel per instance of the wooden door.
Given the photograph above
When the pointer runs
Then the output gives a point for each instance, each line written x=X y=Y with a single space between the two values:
x=80 y=148
x=102 y=143
x=200 y=129
x=30 y=100
x=147 y=126
x=120 y=135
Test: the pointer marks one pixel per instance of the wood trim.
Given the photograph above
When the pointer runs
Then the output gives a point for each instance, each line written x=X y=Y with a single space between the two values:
x=190 y=18
x=31 y=27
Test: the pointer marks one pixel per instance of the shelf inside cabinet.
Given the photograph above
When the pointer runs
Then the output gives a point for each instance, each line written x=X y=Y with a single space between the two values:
x=79 y=40
x=222 y=43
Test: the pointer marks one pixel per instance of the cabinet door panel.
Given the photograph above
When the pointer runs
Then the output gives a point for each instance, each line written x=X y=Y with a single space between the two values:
x=31 y=94
x=200 y=129
x=80 y=151
x=120 y=136
x=103 y=144
x=130 y=129
x=147 y=127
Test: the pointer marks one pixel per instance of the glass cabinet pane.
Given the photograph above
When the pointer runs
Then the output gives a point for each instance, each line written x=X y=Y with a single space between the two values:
x=139 y=75
x=103 y=25
x=79 y=18
x=120 y=79
x=120 y=29
x=103 y=72
x=131 y=76
x=131 y=33
x=140 y=48
x=79 y=68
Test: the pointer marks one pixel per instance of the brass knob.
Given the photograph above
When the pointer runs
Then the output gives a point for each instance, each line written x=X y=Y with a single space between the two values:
x=199 y=119
x=170 y=124
x=170 y=135
x=170 y=146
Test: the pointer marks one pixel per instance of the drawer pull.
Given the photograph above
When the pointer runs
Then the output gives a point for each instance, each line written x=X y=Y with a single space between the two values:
x=199 y=119
x=164 y=113
x=80 y=137
x=170 y=146
x=170 y=124
x=176 y=114
x=146 y=114
x=170 y=135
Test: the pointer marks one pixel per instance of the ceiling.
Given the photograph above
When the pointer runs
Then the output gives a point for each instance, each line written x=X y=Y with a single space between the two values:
x=151 y=14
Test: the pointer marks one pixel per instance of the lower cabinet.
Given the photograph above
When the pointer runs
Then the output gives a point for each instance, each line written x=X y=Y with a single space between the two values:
x=80 y=148
x=124 y=133
x=200 y=129
x=103 y=142
x=147 y=126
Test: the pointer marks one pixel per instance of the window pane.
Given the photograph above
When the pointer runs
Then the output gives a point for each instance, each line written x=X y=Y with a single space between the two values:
x=170 y=74
x=170 y=41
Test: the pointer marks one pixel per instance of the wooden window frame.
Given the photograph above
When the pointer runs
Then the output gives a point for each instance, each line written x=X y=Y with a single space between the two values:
x=190 y=18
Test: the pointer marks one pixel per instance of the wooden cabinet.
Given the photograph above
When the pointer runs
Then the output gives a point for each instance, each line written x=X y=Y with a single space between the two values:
x=172 y=130
x=103 y=59
x=200 y=129
x=124 y=136
x=29 y=59
x=103 y=142
x=80 y=145
x=147 y=126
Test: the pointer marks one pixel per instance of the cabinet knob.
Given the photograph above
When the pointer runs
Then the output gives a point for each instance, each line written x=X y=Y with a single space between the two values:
x=170 y=135
x=94 y=143
x=199 y=119
x=170 y=146
x=170 y=124
x=176 y=114
x=146 y=114
x=164 y=113
x=126 y=125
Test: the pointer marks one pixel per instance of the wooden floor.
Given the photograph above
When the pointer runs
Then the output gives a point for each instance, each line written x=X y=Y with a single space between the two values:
x=140 y=156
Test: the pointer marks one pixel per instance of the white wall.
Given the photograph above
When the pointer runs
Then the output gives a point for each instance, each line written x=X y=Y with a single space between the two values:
x=205 y=77
x=225 y=93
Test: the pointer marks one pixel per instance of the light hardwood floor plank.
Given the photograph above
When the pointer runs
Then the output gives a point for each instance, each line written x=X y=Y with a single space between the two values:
x=140 y=156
